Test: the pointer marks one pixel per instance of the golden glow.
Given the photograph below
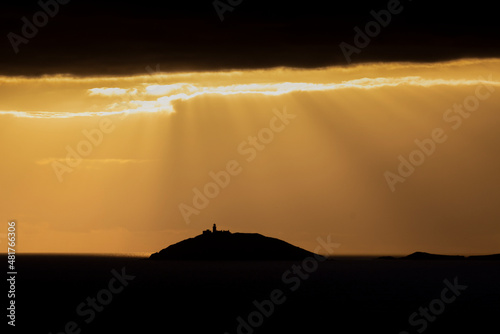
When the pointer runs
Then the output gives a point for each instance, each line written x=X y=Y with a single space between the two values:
x=322 y=174
x=137 y=94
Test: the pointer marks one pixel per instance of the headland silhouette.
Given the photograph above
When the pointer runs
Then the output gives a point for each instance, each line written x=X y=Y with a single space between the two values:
x=223 y=245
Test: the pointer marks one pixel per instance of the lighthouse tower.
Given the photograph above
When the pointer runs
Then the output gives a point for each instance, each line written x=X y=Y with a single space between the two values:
x=214 y=228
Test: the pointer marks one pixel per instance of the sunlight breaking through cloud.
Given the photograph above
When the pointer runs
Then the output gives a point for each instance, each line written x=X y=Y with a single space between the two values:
x=157 y=93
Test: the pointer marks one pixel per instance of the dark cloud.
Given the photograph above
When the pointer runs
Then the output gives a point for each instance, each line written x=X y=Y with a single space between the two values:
x=117 y=37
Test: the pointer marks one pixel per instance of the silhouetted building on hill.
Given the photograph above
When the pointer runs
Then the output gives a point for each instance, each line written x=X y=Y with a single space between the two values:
x=214 y=231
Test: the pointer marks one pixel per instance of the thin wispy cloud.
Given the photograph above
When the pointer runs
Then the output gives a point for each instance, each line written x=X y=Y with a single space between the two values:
x=49 y=114
x=48 y=161
x=111 y=91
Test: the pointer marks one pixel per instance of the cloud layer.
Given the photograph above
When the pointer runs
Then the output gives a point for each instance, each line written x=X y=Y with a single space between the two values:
x=159 y=92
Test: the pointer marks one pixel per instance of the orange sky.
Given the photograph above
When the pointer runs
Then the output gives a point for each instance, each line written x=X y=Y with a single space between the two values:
x=146 y=144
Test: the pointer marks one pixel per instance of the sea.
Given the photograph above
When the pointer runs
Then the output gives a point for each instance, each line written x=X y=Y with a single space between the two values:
x=74 y=293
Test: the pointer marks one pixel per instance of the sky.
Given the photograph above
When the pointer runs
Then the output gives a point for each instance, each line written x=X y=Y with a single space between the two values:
x=125 y=128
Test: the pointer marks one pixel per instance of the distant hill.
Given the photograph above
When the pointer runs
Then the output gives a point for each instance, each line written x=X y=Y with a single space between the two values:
x=484 y=257
x=428 y=256
x=224 y=245
x=437 y=257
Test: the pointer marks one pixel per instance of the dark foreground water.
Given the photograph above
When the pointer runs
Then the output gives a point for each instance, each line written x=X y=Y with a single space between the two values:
x=83 y=294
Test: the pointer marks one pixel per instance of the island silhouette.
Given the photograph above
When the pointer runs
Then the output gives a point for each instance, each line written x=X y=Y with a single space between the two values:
x=223 y=245
x=440 y=257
